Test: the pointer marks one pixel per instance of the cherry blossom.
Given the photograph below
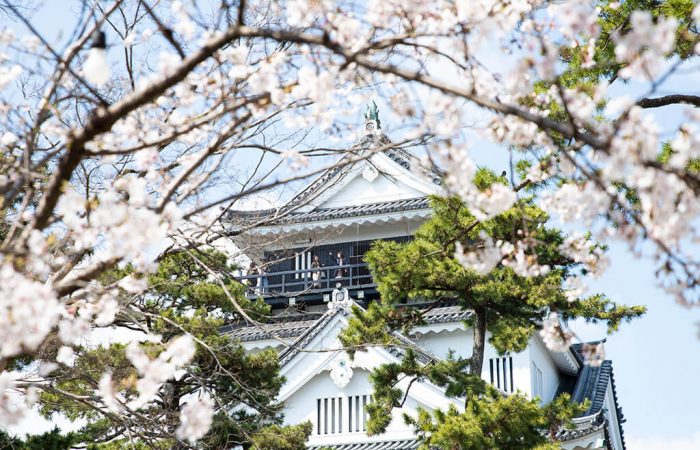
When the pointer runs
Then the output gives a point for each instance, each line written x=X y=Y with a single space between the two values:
x=593 y=354
x=28 y=312
x=154 y=372
x=554 y=336
x=12 y=407
x=481 y=260
x=575 y=288
x=96 y=68
x=108 y=394
x=195 y=418
x=583 y=250
x=9 y=74
x=646 y=44
x=576 y=19
x=523 y=263
x=66 y=356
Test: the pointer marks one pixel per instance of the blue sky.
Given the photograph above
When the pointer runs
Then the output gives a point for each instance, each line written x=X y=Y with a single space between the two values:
x=656 y=358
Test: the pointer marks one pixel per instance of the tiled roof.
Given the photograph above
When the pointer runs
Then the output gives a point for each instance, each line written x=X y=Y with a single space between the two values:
x=288 y=327
x=307 y=336
x=591 y=384
x=402 y=157
x=310 y=333
x=406 y=160
x=295 y=326
x=383 y=445
x=404 y=343
x=284 y=216
x=445 y=313
x=590 y=425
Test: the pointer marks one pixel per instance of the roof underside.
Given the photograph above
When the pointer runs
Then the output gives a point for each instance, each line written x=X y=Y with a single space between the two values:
x=274 y=217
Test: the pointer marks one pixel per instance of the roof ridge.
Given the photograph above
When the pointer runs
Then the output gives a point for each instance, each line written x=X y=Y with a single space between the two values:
x=293 y=349
x=290 y=352
x=592 y=384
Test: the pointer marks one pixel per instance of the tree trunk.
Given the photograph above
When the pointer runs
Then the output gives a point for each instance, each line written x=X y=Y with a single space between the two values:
x=477 y=360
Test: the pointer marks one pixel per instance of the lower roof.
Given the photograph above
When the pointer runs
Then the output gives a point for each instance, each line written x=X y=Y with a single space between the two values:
x=408 y=444
x=293 y=326
x=285 y=216
x=592 y=383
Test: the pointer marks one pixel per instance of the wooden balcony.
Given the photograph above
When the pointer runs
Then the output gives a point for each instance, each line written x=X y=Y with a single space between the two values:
x=310 y=285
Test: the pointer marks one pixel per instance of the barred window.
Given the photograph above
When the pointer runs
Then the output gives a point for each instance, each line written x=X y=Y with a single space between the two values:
x=330 y=412
x=501 y=370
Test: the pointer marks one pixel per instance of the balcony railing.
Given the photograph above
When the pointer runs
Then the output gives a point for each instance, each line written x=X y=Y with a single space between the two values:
x=315 y=280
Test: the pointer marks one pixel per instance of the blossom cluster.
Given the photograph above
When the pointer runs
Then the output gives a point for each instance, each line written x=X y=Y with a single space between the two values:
x=489 y=254
x=593 y=354
x=554 y=336
x=12 y=407
x=122 y=224
x=28 y=312
x=196 y=417
x=154 y=372
x=646 y=45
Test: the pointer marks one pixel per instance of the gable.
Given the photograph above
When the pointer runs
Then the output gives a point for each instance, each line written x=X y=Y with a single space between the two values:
x=336 y=406
x=312 y=354
x=379 y=178
x=361 y=191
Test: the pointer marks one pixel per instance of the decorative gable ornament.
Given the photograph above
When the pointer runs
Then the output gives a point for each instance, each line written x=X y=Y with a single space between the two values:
x=370 y=173
x=341 y=373
x=339 y=297
x=371 y=127
x=372 y=123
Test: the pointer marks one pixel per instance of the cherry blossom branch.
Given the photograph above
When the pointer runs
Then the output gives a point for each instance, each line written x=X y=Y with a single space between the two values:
x=410 y=75
x=104 y=117
x=669 y=100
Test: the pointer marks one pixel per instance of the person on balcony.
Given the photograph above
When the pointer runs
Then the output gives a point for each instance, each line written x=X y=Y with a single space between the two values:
x=252 y=271
x=340 y=271
x=316 y=274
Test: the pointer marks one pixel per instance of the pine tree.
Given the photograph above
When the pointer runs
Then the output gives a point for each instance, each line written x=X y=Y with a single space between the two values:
x=510 y=306
x=183 y=297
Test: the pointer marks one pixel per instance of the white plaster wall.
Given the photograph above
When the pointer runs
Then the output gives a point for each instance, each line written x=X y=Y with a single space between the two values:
x=611 y=414
x=550 y=375
x=302 y=406
x=461 y=340
x=439 y=344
